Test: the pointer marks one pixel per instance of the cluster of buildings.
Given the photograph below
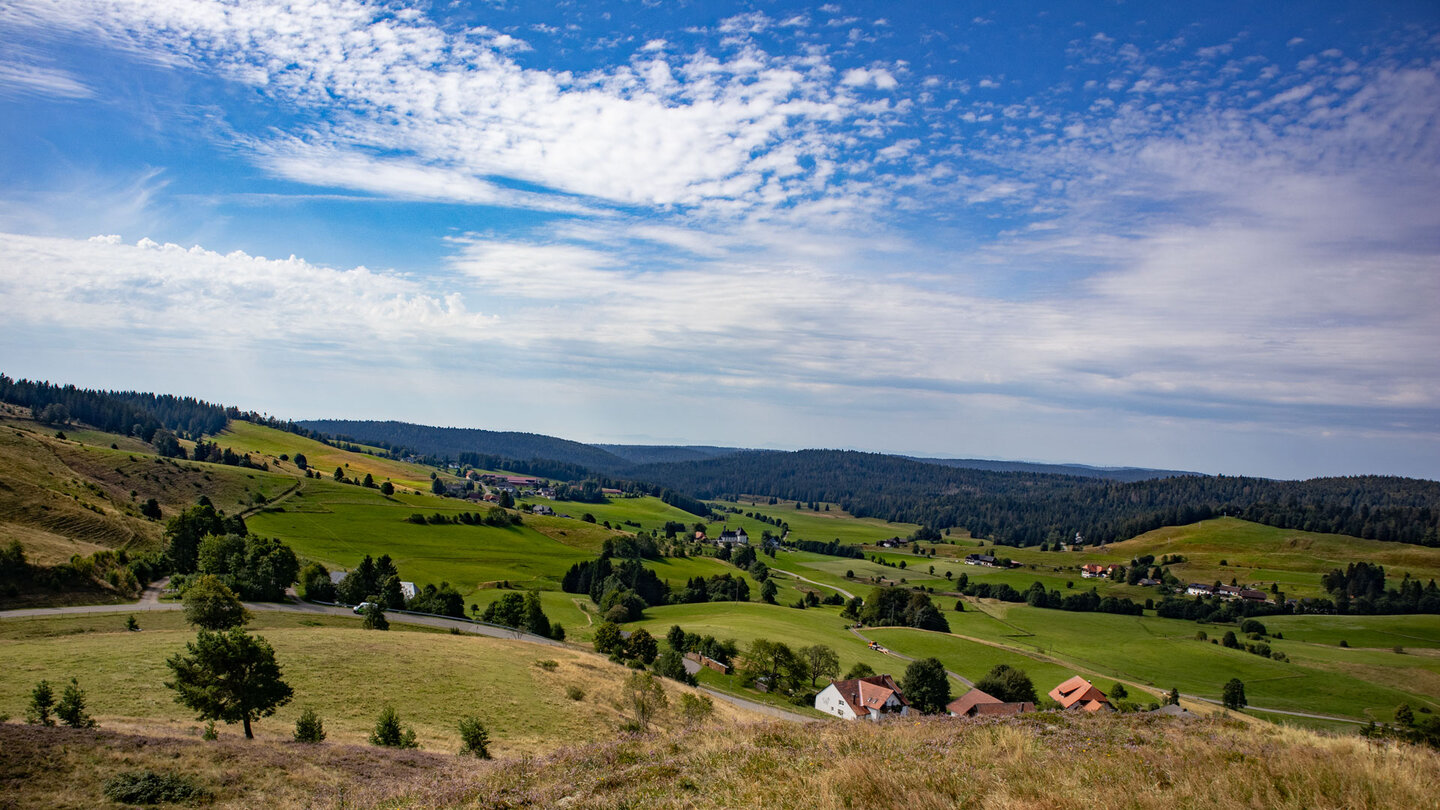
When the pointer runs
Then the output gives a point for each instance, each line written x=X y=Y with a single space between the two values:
x=875 y=697
x=988 y=560
x=1226 y=592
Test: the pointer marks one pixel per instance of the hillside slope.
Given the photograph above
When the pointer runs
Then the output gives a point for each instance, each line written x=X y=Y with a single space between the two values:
x=79 y=494
x=1044 y=760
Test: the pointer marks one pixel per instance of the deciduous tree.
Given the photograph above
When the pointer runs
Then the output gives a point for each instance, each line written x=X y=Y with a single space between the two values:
x=926 y=686
x=228 y=675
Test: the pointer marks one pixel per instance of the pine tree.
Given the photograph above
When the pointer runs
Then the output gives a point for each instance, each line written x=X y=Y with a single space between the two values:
x=71 y=709
x=42 y=701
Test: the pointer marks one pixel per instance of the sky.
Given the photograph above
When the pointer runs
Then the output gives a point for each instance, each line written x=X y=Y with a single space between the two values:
x=1190 y=236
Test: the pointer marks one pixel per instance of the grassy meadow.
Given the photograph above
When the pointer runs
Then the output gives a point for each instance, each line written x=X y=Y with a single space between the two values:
x=1162 y=653
x=343 y=672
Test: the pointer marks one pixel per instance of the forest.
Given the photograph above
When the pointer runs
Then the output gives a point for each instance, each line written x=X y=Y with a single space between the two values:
x=1026 y=509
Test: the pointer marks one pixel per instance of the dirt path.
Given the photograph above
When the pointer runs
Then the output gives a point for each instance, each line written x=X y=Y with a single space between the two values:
x=281 y=498
x=834 y=588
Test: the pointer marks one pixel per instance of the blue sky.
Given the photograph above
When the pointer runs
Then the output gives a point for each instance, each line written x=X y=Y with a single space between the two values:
x=1194 y=236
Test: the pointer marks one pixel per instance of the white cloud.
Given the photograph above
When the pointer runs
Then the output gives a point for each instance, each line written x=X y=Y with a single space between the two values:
x=18 y=78
x=661 y=131
x=881 y=78
x=135 y=292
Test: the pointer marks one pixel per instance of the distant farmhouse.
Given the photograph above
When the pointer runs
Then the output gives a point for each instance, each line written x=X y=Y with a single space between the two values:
x=980 y=704
x=1199 y=589
x=737 y=537
x=1078 y=693
x=982 y=559
x=872 y=697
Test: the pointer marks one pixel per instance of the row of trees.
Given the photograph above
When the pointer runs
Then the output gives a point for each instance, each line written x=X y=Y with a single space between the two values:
x=1360 y=589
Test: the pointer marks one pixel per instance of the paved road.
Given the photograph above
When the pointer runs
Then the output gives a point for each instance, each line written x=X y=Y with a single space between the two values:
x=761 y=708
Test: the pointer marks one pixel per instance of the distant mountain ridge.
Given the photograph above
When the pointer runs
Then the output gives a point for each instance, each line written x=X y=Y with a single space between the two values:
x=618 y=458
x=1125 y=474
x=449 y=441
x=665 y=453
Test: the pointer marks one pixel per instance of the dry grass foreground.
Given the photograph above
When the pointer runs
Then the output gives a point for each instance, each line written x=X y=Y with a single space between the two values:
x=1041 y=761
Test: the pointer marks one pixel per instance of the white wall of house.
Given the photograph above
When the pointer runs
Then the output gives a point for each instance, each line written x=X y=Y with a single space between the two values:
x=829 y=701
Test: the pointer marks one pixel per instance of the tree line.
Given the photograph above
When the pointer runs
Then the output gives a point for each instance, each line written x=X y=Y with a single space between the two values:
x=1026 y=509
x=129 y=413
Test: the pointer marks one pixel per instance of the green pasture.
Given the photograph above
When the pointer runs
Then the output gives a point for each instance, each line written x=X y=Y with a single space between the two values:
x=971 y=659
x=338 y=525
x=1260 y=555
x=246 y=437
x=1164 y=653
x=1359 y=631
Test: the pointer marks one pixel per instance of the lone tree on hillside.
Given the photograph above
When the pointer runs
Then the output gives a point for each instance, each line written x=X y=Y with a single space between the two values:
x=1234 y=694
x=821 y=661
x=1008 y=684
x=210 y=605
x=228 y=675
x=926 y=686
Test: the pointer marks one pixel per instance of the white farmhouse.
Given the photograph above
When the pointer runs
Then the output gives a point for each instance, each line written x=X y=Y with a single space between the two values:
x=871 y=697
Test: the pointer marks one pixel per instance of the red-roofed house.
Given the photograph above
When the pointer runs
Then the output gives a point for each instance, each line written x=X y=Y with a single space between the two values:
x=976 y=704
x=1092 y=571
x=870 y=697
x=1078 y=693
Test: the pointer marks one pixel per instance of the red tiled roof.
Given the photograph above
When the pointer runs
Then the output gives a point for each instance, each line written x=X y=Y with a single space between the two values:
x=969 y=700
x=1077 y=690
x=870 y=692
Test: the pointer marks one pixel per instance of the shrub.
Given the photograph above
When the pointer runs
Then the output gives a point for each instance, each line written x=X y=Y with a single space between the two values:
x=152 y=787
x=1344 y=643
x=695 y=708
x=309 y=728
x=474 y=739
x=1230 y=641
x=388 y=732
x=574 y=693
x=548 y=665
x=210 y=732
x=1252 y=626
x=1201 y=635
x=1119 y=692
x=131 y=624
